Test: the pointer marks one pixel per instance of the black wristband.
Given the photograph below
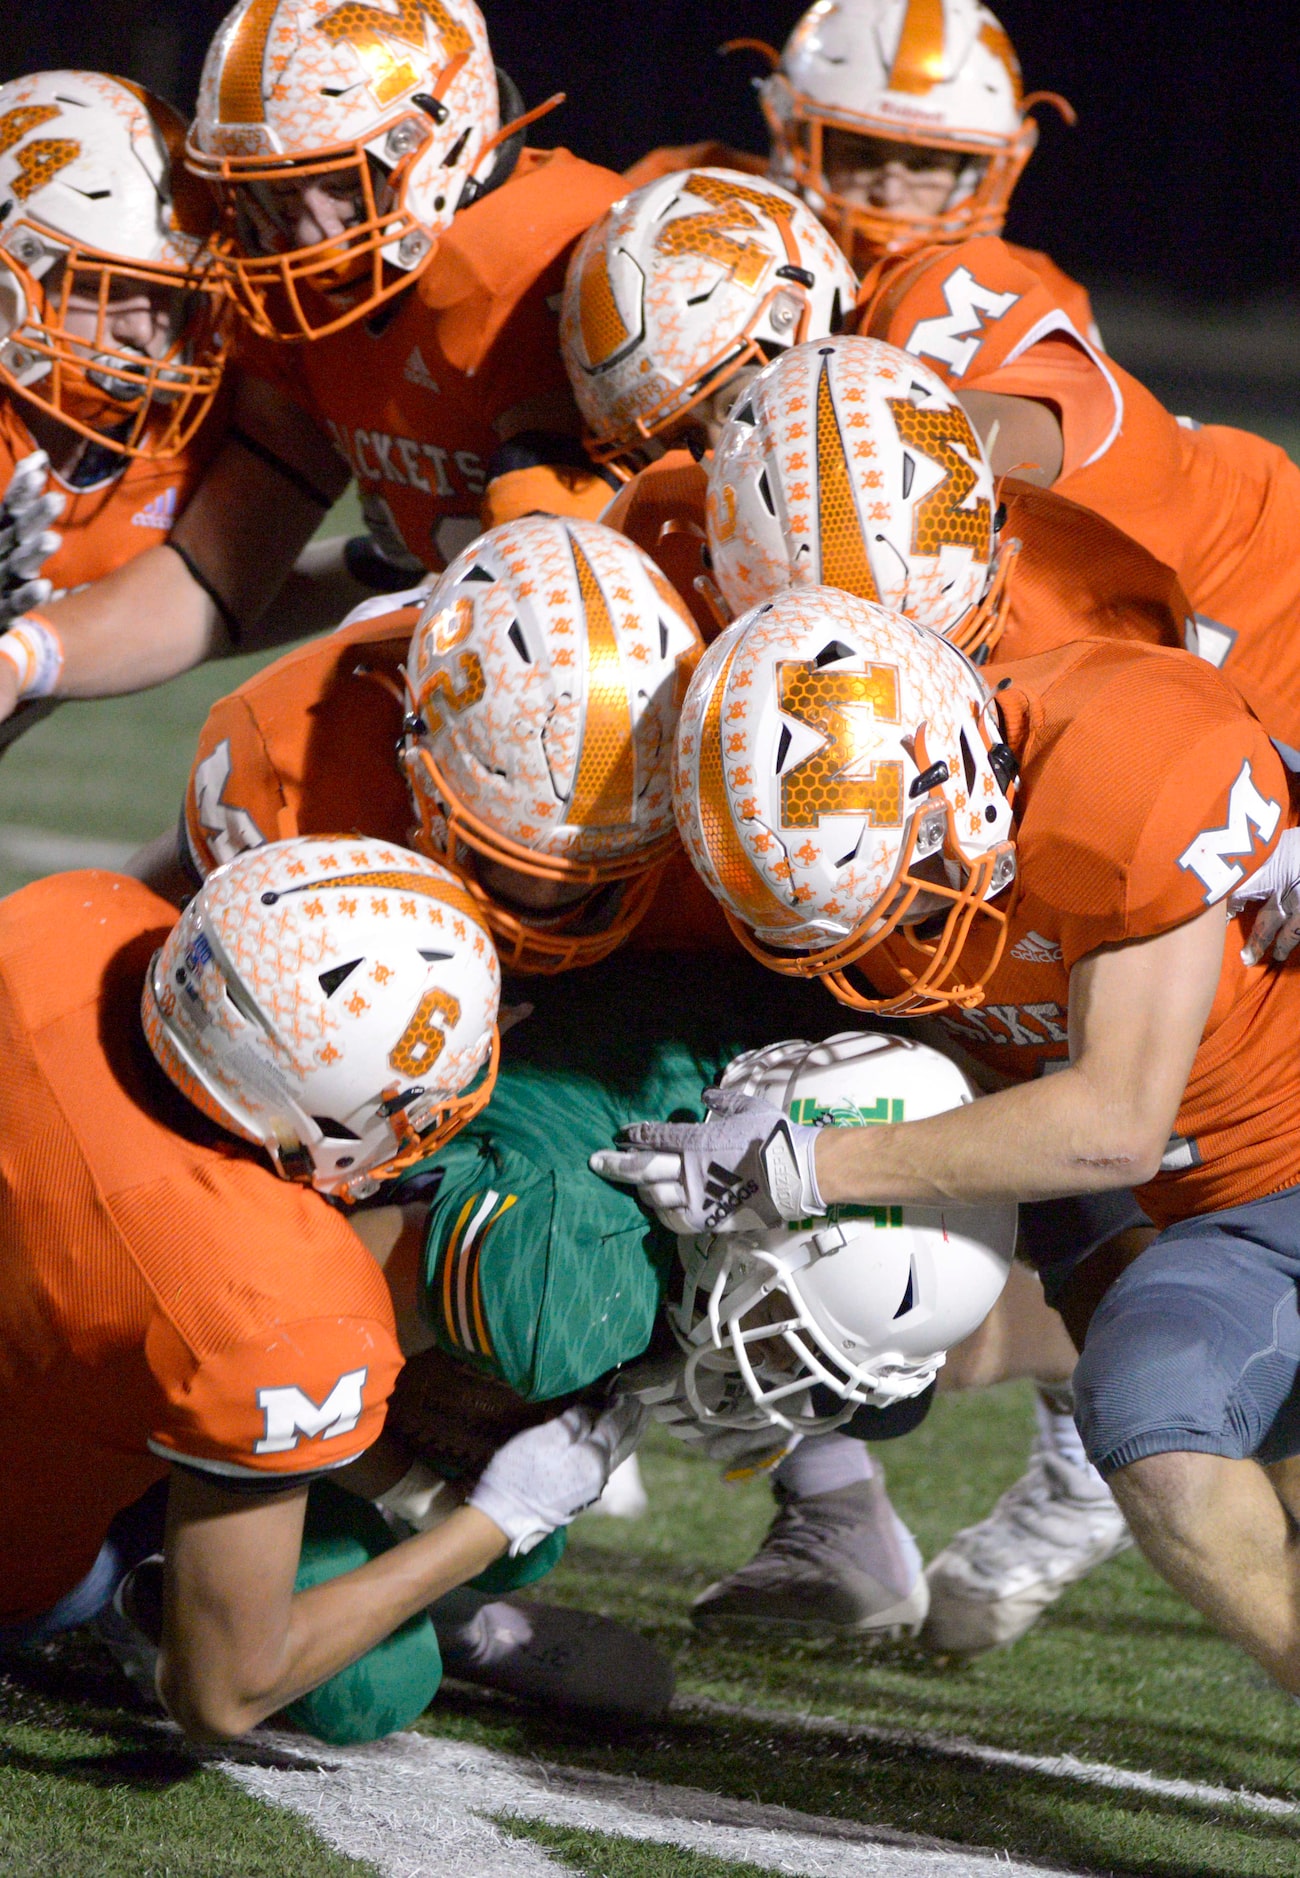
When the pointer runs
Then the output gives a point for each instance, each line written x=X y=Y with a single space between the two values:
x=196 y=574
x=277 y=463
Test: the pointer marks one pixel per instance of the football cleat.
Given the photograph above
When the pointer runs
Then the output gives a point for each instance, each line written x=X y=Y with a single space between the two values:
x=993 y=1581
x=840 y=1561
x=551 y=1655
x=97 y=214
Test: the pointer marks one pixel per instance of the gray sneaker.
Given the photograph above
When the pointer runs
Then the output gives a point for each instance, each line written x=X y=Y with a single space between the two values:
x=993 y=1581
x=549 y=1654
x=830 y=1562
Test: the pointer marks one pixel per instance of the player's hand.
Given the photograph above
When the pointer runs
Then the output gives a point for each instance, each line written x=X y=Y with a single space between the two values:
x=26 y=539
x=1276 y=930
x=544 y=1477
x=746 y=1165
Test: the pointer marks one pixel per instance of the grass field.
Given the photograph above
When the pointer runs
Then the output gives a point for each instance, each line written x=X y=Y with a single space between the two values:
x=1120 y=1674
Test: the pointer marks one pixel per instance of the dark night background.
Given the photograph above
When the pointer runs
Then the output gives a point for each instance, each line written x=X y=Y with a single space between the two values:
x=1183 y=176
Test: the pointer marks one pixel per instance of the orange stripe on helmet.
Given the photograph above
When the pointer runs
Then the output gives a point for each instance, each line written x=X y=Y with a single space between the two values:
x=606 y=779
x=603 y=329
x=746 y=892
x=239 y=99
x=919 y=63
x=15 y=124
x=845 y=562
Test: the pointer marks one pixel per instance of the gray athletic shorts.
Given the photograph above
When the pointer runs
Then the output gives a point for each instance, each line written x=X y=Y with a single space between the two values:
x=1196 y=1346
x=1056 y=1236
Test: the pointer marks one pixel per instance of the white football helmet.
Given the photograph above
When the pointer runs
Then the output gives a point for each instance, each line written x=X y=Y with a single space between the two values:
x=938 y=74
x=96 y=206
x=333 y=999
x=397 y=104
x=800 y=1325
x=545 y=677
x=850 y=464
x=840 y=775
x=683 y=283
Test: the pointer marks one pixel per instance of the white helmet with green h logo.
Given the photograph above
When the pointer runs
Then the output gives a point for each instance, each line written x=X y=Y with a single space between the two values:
x=801 y=1325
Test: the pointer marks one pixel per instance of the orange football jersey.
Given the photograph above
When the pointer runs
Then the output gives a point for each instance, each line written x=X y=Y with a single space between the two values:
x=164 y=1295
x=132 y=508
x=1218 y=506
x=411 y=397
x=1147 y=791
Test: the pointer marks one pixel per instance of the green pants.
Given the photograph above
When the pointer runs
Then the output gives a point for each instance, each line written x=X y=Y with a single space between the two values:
x=390 y=1685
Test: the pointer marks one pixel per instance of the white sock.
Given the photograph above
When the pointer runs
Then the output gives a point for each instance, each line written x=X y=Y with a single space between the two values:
x=823 y=1463
x=1054 y=1413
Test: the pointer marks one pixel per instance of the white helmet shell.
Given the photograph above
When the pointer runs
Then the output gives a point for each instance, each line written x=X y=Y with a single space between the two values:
x=332 y=999
x=850 y=464
x=92 y=190
x=862 y=1306
x=545 y=677
x=680 y=285
x=296 y=89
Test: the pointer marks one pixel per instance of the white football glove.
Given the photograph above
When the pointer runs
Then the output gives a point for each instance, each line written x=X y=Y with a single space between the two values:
x=26 y=539
x=747 y=1164
x=1277 y=884
x=544 y=1477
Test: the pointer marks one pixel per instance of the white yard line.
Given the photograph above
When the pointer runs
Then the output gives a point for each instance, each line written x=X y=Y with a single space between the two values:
x=416 y=1806
x=40 y=850
x=956 y=1747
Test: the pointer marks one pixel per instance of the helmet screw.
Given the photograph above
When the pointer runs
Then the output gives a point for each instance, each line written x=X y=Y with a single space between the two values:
x=411 y=247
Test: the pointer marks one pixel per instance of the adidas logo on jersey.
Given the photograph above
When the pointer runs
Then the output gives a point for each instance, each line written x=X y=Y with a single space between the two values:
x=416 y=372
x=160 y=513
x=1033 y=949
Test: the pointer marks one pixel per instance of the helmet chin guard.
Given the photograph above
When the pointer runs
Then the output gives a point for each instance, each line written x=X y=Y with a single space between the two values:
x=863 y=1303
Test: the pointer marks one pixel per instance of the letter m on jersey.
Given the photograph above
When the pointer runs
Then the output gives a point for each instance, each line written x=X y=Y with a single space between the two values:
x=956 y=336
x=291 y=1415
x=1212 y=856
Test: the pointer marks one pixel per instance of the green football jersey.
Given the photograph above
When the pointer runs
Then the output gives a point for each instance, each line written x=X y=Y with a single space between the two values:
x=536 y=1270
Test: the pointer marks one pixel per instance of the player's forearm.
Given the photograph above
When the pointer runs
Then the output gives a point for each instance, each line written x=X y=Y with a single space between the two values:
x=317 y=595
x=142 y=624
x=1033 y=1142
x=327 y=1628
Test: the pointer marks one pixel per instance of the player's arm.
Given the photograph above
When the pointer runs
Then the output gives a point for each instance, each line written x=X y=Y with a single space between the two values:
x=1137 y=1014
x=239 y=1643
x=207 y=589
x=1021 y=436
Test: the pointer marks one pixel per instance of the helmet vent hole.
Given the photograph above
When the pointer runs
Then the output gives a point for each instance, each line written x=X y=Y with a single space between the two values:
x=478 y=572
x=336 y=975
x=434 y=958
x=453 y=156
x=765 y=490
x=967 y=762
x=782 y=748
x=909 y=474
x=336 y=1130
x=516 y=638
x=909 y=1294
x=663 y=639
x=833 y=650
x=845 y=859
x=745 y=415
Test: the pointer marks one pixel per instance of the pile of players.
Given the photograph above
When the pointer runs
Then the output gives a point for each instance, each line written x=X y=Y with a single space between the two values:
x=778 y=603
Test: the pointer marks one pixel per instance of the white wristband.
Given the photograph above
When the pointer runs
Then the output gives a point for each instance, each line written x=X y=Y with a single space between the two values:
x=35 y=651
x=421 y=1497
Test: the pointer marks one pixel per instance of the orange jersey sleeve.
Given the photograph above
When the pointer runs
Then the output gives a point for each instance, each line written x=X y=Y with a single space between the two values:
x=131 y=506
x=663 y=509
x=305 y=746
x=165 y=1295
x=413 y=403
x=667 y=159
x=1147 y=792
